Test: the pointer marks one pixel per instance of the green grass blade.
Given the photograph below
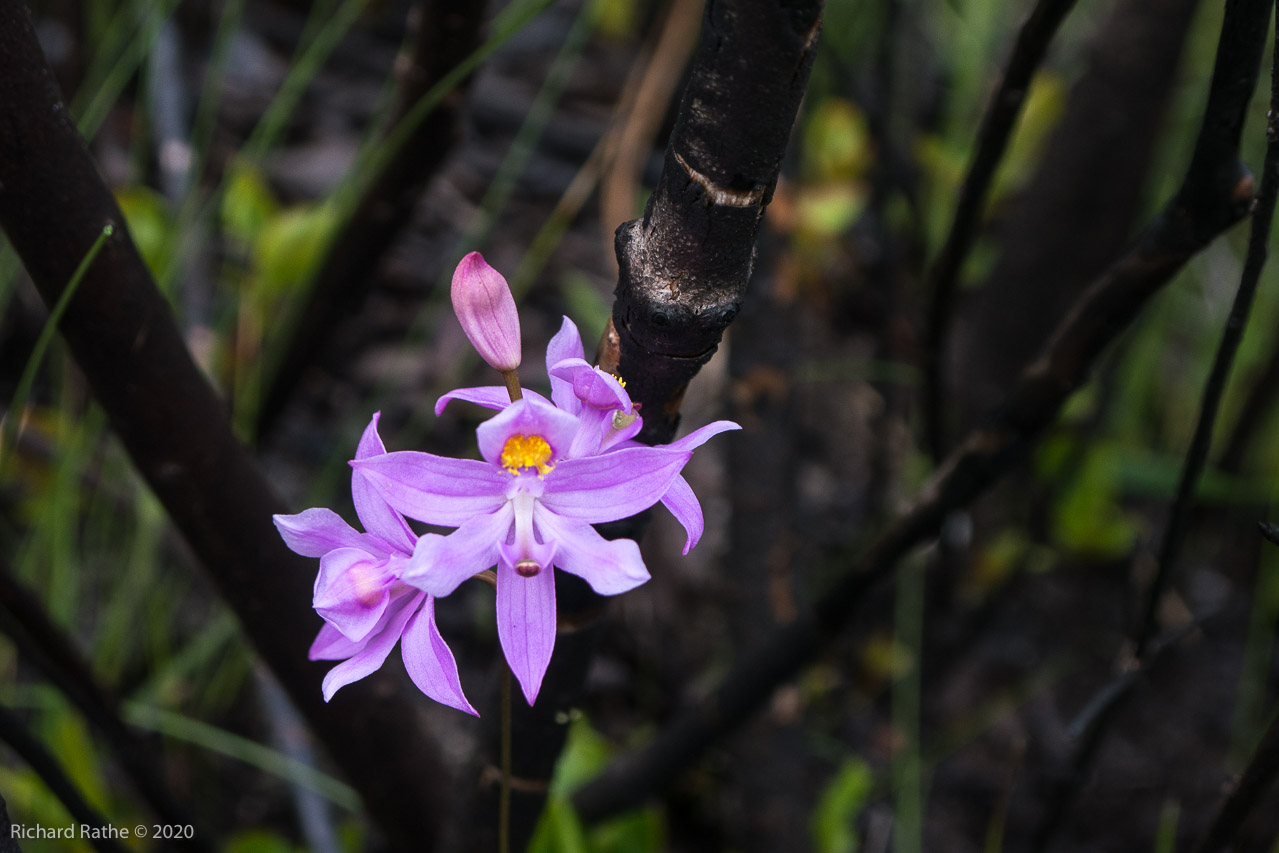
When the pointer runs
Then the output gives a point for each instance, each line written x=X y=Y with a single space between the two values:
x=9 y=430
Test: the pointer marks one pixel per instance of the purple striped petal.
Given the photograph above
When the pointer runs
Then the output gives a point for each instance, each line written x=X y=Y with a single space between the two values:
x=567 y=343
x=331 y=645
x=526 y=625
x=430 y=662
x=612 y=486
x=380 y=642
x=317 y=531
x=529 y=416
x=375 y=513
x=609 y=566
x=441 y=563
x=683 y=504
x=435 y=489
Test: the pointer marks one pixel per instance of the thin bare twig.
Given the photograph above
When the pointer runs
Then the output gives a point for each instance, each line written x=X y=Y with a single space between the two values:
x=992 y=140
x=1216 y=193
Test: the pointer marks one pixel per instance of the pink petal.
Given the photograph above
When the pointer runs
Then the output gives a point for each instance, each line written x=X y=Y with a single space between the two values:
x=441 y=563
x=317 y=531
x=698 y=437
x=352 y=590
x=375 y=513
x=435 y=489
x=592 y=385
x=526 y=625
x=682 y=503
x=609 y=566
x=379 y=645
x=490 y=397
x=331 y=645
x=430 y=662
x=567 y=343
x=529 y=416
x=484 y=306
x=611 y=486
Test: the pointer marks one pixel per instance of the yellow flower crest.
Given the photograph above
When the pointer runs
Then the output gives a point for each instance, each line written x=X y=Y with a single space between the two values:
x=527 y=451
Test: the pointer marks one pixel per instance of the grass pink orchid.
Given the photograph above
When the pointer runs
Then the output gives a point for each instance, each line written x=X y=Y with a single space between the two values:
x=528 y=506
x=361 y=595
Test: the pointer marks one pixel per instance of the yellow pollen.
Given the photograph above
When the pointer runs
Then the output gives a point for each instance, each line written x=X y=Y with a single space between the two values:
x=620 y=380
x=527 y=451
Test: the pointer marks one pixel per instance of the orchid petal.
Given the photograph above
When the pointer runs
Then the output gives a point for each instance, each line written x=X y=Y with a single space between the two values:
x=441 y=563
x=611 y=486
x=567 y=343
x=375 y=513
x=435 y=489
x=489 y=396
x=592 y=385
x=429 y=660
x=485 y=307
x=317 y=531
x=329 y=644
x=373 y=655
x=609 y=566
x=683 y=504
x=352 y=590
x=613 y=436
x=526 y=625
x=698 y=437
x=529 y=416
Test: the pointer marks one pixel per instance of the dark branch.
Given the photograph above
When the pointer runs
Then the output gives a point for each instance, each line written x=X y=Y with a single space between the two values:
x=53 y=205
x=1201 y=442
x=684 y=267
x=992 y=140
x=447 y=31
x=1214 y=195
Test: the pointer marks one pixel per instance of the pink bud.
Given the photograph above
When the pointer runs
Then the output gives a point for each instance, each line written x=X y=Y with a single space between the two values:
x=484 y=306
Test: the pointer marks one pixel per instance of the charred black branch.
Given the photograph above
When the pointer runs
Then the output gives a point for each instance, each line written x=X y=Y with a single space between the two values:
x=683 y=268
x=53 y=206
x=1216 y=193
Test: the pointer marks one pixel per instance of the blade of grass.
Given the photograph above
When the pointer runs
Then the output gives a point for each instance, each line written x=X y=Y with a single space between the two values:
x=9 y=426
x=250 y=752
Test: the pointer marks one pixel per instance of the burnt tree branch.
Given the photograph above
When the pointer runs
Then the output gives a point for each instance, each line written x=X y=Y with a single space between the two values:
x=684 y=267
x=1216 y=193
x=53 y=205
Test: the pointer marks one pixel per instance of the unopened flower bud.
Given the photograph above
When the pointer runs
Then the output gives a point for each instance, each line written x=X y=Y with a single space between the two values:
x=484 y=306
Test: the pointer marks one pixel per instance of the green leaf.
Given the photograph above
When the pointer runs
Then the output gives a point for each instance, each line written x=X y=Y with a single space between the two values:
x=150 y=223
x=289 y=247
x=845 y=796
x=559 y=830
x=247 y=205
